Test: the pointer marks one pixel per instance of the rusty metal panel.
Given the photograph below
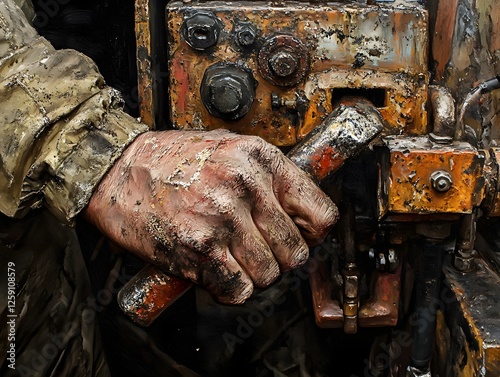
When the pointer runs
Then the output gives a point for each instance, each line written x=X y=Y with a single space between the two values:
x=377 y=51
x=412 y=186
x=468 y=335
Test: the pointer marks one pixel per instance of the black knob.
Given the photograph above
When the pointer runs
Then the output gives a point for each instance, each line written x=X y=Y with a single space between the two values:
x=201 y=30
x=228 y=91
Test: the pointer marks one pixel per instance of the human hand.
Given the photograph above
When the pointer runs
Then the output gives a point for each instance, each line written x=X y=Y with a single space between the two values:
x=223 y=210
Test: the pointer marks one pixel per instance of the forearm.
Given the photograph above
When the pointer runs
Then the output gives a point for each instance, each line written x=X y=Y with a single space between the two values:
x=62 y=128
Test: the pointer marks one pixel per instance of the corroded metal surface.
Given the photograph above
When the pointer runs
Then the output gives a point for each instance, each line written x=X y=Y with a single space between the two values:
x=411 y=187
x=495 y=182
x=144 y=69
x=352 y=47
x=469 y=330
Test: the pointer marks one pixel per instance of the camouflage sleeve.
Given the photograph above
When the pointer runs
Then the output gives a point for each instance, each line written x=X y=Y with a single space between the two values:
x=61 y=126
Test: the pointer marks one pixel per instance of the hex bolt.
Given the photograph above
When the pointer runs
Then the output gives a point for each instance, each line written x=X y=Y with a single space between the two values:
x=201 y=30
x=441 y=180
x=226 y=95
x=228 y=91
x=283 y=63
x=245 y=35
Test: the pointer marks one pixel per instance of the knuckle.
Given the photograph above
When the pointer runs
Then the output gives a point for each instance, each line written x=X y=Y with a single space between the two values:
x=299 y=255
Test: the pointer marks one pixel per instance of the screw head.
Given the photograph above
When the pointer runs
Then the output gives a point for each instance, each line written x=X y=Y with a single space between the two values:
x=201 y=30
x=441 y=180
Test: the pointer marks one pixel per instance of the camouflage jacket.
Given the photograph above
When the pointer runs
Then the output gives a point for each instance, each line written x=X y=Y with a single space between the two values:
x=62 y=127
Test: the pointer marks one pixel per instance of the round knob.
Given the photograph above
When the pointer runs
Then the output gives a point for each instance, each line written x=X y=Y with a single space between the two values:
x=228 y=91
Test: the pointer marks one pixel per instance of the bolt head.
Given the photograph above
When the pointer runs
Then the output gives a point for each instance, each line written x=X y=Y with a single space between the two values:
x=283 y=63
x=226 y=94
x=201 y=30
x=245 y=35
x=227 y=91
x=463 y=264
x=441 y=180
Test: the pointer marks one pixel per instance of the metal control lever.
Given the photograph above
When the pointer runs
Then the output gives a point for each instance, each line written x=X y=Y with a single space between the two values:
x=349 y=128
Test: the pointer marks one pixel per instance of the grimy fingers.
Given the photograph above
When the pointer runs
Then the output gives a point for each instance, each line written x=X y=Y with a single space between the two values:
x=280 y=233
x=310 y=208
x=224 y=278
x=252 y=252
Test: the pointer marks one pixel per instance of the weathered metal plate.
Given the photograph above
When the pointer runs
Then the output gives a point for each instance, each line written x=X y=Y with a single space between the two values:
x=379 y=51
x=408 y=188
x=468 y=335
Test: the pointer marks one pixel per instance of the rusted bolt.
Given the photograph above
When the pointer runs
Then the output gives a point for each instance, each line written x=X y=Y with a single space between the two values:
x=441 y=180
x=245 y=35
x=227 y=91
x=283 y=60
x=201 y=30
x=283 y=63
x=463 y=264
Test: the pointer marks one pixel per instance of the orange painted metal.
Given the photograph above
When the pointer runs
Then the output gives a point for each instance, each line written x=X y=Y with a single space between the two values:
x=408 y=185
x=149 y=293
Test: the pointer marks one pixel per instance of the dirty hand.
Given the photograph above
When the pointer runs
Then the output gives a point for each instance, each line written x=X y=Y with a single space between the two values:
x=226 y=211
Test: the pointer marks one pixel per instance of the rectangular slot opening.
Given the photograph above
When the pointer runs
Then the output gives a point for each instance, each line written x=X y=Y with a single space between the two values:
x=377 y=96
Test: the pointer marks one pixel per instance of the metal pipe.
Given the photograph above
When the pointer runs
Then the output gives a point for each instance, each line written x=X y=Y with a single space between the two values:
x=427 y=290
x=483 y=88
x=443 y=108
